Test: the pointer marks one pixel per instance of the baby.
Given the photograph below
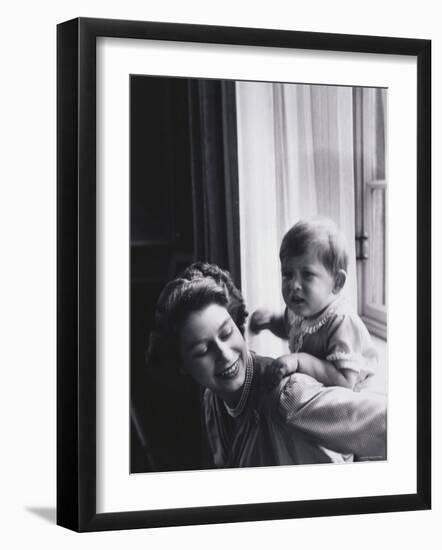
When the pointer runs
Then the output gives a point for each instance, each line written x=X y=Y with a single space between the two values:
x=327 y=339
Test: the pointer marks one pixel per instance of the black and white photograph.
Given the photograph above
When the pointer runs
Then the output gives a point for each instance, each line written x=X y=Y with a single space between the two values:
x=233 y=210
x=258 y=262
x=220 y=237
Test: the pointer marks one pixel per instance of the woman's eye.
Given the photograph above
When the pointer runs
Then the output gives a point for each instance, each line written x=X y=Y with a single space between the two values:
x=226 y=333
x=200 y=351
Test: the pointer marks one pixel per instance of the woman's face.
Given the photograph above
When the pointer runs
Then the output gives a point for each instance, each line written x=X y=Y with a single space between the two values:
x=214 y=352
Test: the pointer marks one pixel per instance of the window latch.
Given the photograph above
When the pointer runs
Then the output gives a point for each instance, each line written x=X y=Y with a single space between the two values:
x=362 y=246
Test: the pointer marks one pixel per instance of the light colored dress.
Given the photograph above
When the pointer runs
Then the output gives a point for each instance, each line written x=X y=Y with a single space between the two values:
x=298 y=422
x=337 y=335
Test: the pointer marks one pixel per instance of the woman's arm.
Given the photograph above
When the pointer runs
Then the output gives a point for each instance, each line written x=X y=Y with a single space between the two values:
x=336 y=417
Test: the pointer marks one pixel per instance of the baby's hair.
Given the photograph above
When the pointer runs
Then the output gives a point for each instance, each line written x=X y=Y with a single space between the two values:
x=199 y=285
x=321 y=235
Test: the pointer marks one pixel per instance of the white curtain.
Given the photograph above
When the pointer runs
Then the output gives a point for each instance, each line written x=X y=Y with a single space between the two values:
x=295 y=156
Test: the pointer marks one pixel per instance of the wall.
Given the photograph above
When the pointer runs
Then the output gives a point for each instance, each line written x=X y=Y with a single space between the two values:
x=27 y=219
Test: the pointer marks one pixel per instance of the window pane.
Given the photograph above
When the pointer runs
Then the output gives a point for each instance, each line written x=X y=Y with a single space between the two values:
x=380 y=134
x=376 y=263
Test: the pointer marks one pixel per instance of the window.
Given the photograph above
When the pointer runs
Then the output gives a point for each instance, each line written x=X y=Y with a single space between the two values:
x=371 y=206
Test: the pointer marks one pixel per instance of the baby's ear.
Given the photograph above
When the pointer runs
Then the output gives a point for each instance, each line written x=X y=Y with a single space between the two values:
x=340 y=278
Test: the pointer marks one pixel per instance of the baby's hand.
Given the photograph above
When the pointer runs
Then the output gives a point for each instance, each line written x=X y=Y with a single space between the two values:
x=260 y=320
x=282 y=367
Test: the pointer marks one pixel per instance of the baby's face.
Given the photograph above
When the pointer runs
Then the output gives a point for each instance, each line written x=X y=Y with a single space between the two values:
x=307 y=286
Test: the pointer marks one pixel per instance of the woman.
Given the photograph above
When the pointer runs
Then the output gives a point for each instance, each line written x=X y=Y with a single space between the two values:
x=200 y=320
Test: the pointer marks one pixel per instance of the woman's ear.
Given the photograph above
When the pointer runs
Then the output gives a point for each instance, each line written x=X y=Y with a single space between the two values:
x=340 y=278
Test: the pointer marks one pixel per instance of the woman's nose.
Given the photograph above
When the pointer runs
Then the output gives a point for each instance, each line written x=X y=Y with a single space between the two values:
x=223 y=350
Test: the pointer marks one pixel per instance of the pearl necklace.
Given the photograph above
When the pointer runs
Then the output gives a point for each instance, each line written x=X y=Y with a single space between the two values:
x=237 y=410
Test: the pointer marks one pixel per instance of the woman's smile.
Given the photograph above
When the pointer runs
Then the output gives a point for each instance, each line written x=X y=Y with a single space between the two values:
x=230 y=372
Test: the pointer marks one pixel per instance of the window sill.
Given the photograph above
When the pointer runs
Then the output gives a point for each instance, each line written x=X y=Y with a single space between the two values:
x=375 y=327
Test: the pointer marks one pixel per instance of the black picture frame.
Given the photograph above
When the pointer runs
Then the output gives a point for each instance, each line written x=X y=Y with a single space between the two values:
x=76 y=273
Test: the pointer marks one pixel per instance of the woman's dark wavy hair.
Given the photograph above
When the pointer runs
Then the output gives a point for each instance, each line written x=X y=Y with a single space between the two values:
x=198 y=286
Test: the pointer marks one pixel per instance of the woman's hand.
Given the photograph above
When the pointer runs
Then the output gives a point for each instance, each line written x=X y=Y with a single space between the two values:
x=281 y=368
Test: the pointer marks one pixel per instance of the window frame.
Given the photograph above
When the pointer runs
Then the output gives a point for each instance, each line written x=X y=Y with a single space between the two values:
x=373 y=315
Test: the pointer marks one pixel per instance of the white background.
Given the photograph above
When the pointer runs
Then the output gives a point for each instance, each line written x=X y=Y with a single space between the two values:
x=27 y=301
